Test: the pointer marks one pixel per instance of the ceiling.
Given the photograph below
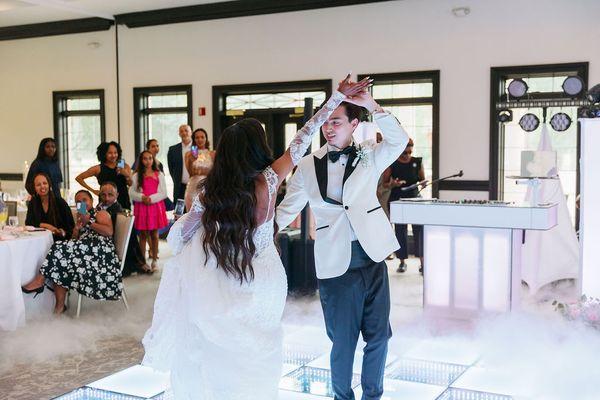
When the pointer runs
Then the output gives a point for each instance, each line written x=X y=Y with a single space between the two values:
x=22 y=12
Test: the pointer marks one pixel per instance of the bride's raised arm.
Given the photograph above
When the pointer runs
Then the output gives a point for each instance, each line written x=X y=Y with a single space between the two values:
x=185 y=227
x=303 y=138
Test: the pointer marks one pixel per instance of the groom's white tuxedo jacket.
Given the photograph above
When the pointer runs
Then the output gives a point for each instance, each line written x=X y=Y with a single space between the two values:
x=359 y=209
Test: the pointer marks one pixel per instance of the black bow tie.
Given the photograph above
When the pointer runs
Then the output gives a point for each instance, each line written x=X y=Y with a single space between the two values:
x=334 y=156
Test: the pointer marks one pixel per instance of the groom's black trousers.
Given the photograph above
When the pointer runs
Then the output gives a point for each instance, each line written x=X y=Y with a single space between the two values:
x=357 y=301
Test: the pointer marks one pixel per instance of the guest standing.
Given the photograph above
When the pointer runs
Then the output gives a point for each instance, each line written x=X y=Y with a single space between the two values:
x=148 y=193
x=109 y=154
x=153 y=147
x=198 y=162
x=175 y=157
x=405 y=171
x=48 y=211
x=46 y=161
x=88 y=264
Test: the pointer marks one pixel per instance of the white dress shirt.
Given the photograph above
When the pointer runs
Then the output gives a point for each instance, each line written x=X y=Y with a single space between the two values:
x=185 y=175
x=335 y=178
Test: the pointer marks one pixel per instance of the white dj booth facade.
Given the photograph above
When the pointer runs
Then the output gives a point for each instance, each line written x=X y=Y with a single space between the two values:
x=472 y=252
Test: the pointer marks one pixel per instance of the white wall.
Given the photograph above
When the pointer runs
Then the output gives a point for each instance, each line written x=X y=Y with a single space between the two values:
x=396 y=36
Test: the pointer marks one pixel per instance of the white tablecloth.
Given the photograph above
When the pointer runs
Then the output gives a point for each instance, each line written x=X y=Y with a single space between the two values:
x=20 y=260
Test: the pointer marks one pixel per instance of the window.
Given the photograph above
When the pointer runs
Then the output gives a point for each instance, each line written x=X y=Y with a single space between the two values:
x=272 y=100
x=413 y=97
x=159 y=111
x=279 y=106
x=545 y=97
x=78 y=130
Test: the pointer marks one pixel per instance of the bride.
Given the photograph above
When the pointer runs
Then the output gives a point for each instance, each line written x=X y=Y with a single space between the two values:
x=217 y=315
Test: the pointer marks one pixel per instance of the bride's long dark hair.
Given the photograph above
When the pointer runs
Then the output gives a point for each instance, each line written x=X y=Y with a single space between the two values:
x=229 y=199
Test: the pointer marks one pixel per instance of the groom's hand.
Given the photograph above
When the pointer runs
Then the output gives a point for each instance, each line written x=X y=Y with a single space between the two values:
x=364 y=99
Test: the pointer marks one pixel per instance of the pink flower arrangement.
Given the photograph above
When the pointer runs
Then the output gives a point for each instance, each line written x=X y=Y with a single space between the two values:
x=586 y=310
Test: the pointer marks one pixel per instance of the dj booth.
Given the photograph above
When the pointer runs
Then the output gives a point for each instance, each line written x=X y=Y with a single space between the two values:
x=472 y=251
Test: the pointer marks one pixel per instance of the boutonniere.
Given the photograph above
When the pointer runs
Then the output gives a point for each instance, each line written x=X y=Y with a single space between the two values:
x=362 y=156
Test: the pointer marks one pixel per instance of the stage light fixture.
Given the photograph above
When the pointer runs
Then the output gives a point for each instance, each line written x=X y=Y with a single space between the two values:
x=573 y=85
x=505 y=115
x=593 y=95
x=560 y=122
x=593 y=110
x=517 y=88
x=529 y=122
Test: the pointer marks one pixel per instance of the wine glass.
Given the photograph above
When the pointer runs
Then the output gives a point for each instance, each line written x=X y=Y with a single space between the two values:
x=13 y=221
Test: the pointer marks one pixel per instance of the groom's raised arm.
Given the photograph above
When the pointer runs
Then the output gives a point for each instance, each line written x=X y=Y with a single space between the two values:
x=294 y=201
x=394 y=141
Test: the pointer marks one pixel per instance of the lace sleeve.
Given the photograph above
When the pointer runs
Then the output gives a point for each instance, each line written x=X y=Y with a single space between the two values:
x=303 y=137
x=185 y=227
x=272 y=183
x=272 y=180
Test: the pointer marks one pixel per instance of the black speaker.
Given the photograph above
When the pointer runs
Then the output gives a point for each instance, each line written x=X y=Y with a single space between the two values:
x=298 y=259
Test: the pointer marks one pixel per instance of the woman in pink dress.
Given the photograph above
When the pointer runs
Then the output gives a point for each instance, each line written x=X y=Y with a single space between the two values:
x=148 y=192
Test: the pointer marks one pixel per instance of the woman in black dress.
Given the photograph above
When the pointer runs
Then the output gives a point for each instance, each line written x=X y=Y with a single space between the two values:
x=109 y=154
x=46 y=161
x=88 y=264
x=48 y=211
x=405 y=171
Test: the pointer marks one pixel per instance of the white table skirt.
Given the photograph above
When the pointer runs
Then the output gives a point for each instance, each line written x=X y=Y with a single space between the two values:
x=20 y=260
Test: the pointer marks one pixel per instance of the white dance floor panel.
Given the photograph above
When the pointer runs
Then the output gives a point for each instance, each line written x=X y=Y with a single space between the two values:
x=426 y=371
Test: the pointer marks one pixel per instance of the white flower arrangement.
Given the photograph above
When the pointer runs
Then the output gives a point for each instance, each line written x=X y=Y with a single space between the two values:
x=586 y=310
x=362 y=155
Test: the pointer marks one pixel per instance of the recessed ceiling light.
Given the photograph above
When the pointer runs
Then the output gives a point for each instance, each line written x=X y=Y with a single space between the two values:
x=461 y=11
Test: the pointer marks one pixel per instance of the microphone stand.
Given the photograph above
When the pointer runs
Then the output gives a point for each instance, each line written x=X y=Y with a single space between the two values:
x=414 y=185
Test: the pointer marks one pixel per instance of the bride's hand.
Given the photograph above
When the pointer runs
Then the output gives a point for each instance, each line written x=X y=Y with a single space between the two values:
x=349 y=88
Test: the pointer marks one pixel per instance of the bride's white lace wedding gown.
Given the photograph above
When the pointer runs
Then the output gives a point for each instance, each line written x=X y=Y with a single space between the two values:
x=220 y=339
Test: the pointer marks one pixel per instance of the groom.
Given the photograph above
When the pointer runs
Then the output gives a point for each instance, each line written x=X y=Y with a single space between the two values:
x=354 y=236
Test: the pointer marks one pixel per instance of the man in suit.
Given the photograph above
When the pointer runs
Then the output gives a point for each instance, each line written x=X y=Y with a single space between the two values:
x=135 y=261
x=353 y=237
x=175 y=157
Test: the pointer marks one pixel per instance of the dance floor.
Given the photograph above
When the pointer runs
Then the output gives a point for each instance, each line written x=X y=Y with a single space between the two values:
x=425 y=372
x=530 y=355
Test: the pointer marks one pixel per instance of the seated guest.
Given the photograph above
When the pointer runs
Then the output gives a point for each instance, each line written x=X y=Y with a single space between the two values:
x=48 y=211
x=134 y=259
x=46 y=161
x=88 y=263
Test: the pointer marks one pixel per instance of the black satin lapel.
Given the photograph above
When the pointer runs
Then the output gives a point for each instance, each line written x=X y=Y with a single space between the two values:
x=321 y=172
x=349 y=166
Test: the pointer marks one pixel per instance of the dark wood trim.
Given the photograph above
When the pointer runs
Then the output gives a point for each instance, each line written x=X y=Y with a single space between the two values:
x=140 y=95
x=219 y=93
x=55 y=28
x=389 y=77
x=497 y=74
x=417 y=76
x=406 y=101
x=11 y=176
x=228 y=9
x=464 y=185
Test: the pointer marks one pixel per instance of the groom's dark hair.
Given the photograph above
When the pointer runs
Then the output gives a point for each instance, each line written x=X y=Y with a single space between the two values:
x=352 y=111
